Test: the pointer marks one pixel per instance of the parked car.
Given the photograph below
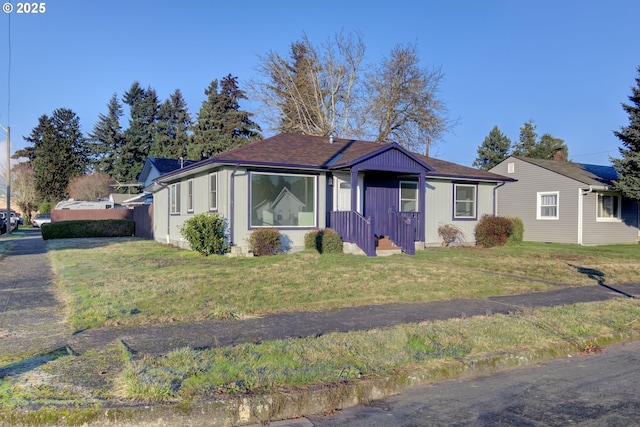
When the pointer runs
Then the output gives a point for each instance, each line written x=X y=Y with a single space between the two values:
x=3 y=223
x=13 y=221
x=40 y=219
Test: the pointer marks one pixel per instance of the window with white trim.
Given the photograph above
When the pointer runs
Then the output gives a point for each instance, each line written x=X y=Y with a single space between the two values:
x=548 y=205
x=608 y=208
x=213 y=192
x=175 y=198
x=465 y=201
x=408 y=196
x=190 y=195
x=282 y=200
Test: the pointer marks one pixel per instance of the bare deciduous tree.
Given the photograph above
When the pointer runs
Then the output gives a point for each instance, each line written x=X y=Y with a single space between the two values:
x=23 y=189
x=90 y=187
x=313 y=91
x=402 y=102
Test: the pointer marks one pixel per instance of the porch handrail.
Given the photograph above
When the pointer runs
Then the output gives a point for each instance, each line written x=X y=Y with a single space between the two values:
x=403 y=231
x=354 y=228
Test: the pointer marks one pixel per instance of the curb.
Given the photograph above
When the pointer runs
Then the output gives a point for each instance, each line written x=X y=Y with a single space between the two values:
x=287 y=408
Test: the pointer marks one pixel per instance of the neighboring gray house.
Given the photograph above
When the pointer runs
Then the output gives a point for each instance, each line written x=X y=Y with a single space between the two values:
x=566 y=202
x=296 y=183
x=154 y=167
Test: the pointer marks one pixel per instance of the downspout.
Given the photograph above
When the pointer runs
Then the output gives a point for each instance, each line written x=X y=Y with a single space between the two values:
x=232 y=204
x=581 y=194
x=495 y=198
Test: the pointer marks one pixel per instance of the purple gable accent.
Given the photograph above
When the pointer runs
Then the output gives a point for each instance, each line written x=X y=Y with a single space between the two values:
x=393 y=160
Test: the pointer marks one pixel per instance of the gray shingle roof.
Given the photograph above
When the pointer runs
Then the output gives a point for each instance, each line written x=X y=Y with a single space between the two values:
x=584 y=173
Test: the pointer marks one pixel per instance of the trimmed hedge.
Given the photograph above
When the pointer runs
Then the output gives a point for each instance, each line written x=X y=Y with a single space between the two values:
x=206 y=233
x=517 y=233
x=88 y=228
x=265 y=241
x=326 y=241
x=493 y=231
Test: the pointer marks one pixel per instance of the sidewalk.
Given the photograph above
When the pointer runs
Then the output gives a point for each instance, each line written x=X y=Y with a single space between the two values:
x=31 y=321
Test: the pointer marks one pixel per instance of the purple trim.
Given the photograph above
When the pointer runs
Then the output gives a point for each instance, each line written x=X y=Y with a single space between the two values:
x=384 y=148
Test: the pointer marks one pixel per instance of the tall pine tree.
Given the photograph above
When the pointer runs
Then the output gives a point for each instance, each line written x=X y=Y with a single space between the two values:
x=172 y=137
x=527 y=140
x=59 y=153
x=628 y=167
x=494 y=149
x=528 y=144
x=107 y=138
x=221 y=124
x=138 y=138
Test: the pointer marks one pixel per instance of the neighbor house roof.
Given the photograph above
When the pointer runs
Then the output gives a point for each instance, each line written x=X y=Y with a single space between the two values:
x=584 y=173
x=315 y=152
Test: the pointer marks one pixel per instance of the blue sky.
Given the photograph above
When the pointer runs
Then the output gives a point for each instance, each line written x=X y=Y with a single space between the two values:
x=567 y=65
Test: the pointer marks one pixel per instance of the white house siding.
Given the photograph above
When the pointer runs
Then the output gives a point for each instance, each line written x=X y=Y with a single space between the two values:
x=520 y=199
x=440 y=205
x=609 y=232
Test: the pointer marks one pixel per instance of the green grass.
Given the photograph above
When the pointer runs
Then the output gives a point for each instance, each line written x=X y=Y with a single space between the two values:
x=131 y=281
x=285 y=364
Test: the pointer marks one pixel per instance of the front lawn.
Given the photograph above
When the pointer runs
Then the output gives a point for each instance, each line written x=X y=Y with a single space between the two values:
x=132 y=281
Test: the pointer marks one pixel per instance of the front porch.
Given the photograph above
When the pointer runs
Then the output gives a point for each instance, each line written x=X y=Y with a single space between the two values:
x=405 y=229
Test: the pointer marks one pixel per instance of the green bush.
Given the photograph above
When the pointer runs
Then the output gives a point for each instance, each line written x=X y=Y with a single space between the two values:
x=265 y=241
x=518 y=231
x=206 y=233
x=493 y=231
x=88 y=228
x=324 y=241
x=44 y=208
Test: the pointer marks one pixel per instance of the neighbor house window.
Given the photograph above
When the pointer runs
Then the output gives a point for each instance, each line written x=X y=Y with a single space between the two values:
x=465 y=201
x=213 y=192
x=190 y=195
x=608 y=207
x=175 y=198
x=548 y=205
x=281 y=200
x=408 y=196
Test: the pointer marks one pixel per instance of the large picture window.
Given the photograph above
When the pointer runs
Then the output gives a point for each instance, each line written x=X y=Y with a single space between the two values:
x=279 y=200
x=175 y=198
x=548 y=206
x=465 y=201
x=608 y=207
x=408 y=196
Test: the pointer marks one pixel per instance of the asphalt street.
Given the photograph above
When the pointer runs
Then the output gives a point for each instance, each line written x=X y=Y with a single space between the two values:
x=600 y=389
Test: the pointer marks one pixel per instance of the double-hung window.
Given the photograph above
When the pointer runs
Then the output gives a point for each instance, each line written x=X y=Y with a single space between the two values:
x=213 y=192
x=190 y=195
x=464 y=201
x=608 y=207
x=175 y=198
x=548 y=205
x=408 y=196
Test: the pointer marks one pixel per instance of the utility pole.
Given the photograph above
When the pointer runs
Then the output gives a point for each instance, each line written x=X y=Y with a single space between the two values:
x=8 y=177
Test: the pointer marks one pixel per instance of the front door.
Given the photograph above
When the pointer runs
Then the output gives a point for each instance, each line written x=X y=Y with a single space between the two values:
x=381 y=195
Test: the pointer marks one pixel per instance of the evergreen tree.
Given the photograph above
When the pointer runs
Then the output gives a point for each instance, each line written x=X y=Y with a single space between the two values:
x=107 y=138
x=628 y=167
x=138 y=138
x=494 y=149
x=172 y=138
x=529 y=146
x=59 y=153
x=221 y=124
x=527 y=141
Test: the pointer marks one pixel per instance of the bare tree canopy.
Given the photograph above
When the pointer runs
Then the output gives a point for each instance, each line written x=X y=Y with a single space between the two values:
x=322 y=90
x=401 y=99
x=90 y=187
x=24 y=192
x=313 y=91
